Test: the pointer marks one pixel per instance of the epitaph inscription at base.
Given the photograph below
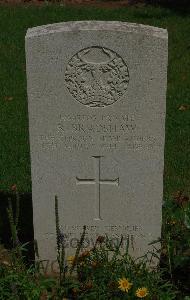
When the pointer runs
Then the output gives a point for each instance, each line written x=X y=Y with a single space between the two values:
x=96 y=101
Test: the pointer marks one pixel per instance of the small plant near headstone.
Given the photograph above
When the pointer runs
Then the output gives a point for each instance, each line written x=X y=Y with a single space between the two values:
x=176 y=240
x=17 y=280
x=101 y=272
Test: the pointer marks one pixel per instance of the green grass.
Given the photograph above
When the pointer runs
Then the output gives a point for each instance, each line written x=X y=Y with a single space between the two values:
x=14 y=141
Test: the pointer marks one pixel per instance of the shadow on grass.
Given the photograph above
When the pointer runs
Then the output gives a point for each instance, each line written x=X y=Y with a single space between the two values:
x=25 y=227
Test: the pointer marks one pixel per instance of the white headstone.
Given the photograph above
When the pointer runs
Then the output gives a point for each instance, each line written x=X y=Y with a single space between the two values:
x=96 y=98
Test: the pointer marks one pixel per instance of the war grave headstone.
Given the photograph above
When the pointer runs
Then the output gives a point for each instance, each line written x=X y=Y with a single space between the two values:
x=96 y=101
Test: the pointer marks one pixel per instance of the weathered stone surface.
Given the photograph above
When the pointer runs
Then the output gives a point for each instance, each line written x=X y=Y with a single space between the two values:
x=96 y=98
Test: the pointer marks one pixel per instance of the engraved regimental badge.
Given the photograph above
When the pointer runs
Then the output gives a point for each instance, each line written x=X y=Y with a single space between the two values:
x=97 y=76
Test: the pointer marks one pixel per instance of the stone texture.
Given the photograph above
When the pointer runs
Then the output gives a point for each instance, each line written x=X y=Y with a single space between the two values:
x=96 y=100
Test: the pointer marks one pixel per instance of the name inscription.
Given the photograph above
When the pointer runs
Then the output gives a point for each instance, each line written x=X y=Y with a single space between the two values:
x=107 y=132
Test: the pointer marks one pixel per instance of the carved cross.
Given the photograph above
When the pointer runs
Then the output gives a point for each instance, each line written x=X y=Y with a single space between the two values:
x=97 y=181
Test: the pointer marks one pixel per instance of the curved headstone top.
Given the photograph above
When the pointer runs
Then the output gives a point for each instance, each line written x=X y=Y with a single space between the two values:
x=97 y=25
